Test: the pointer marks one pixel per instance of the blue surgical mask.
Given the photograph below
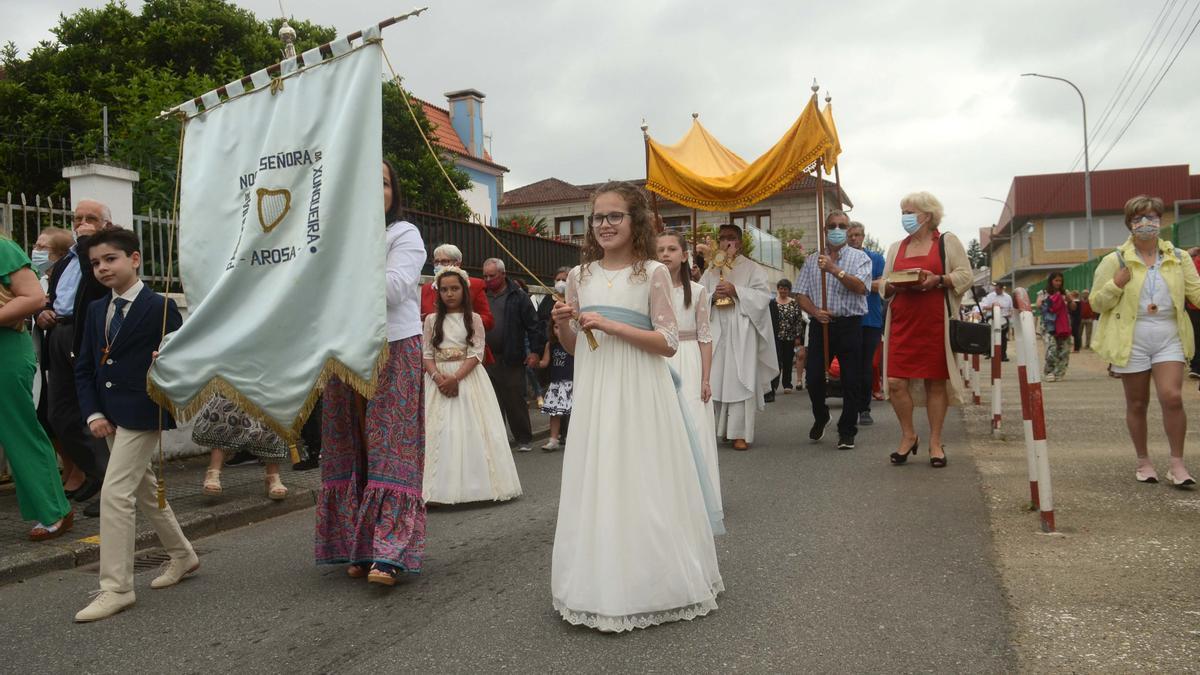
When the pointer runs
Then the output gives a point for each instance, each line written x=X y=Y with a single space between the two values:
x=909 y=222
x=437 y=270
x=835 y=237
x=41 y=260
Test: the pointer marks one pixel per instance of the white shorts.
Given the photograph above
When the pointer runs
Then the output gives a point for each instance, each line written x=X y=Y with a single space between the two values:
x=1155 y=340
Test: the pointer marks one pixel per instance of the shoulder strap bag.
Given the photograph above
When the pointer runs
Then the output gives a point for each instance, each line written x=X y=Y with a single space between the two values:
x=966 y=337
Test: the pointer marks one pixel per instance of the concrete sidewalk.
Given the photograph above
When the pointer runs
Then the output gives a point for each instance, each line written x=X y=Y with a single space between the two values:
x=243 y=501
x=1115 y=591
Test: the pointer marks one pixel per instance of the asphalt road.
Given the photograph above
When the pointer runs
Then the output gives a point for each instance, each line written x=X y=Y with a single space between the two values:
x=835 y=561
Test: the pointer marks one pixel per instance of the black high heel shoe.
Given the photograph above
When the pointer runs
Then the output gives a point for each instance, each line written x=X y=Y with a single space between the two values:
x=938 y=462
x=898 y=458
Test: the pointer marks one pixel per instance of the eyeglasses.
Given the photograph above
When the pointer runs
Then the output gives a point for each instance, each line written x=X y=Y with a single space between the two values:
x=613 y=218
x=1150 y=220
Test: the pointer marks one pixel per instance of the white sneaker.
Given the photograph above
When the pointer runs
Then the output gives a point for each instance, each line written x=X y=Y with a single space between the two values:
x=104 y=604
x=175 y=570
x=524 y=448
x=1048 y=378
x=552 y=445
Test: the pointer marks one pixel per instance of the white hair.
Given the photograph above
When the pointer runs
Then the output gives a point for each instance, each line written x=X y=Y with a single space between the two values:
x=926 y=203
x=448 y=250
x=495 y=261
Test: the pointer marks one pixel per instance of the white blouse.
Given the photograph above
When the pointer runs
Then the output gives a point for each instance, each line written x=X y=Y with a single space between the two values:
x=405 y=258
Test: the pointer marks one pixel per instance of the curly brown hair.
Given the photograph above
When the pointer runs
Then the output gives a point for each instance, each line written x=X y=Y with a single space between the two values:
x=641 y=224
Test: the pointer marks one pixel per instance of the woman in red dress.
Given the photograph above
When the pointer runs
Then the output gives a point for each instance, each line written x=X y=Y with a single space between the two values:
x=917 y=328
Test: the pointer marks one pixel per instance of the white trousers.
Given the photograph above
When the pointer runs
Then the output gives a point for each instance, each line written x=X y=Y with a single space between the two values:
x=129 y=484
x=736 y=420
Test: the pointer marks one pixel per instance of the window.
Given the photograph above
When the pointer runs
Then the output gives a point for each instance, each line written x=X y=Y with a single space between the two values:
x=759 y=219
x=1071 y=234
x=677 y=223
x=569 y=227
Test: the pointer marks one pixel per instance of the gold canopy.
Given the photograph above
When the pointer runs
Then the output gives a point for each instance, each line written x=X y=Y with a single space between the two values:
x=701 y=173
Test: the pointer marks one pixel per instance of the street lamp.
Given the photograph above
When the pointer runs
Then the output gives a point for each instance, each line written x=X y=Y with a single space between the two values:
x=1087 y=167
x=1012 y=242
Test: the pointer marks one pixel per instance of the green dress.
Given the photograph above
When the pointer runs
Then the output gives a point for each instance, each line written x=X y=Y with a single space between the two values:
x=34 y=469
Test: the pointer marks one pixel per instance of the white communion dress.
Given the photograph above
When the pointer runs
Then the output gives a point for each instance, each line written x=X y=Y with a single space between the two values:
x=634 y=542
x=467 y=458
x=693 y=330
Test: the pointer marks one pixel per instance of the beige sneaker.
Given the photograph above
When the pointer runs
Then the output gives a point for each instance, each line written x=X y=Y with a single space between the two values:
x=174 y=570
x=104 y=604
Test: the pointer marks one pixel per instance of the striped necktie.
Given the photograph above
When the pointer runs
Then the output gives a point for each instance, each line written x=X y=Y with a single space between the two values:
x=118 y=317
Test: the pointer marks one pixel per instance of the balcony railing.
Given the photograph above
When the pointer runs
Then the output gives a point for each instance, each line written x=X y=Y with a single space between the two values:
x=543 y=256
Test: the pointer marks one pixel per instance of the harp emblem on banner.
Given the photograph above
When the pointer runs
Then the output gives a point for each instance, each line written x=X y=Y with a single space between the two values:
x=273 y=205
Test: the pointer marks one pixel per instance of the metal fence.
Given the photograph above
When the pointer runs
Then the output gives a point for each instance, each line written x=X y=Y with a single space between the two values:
x=543 y=256
x=23 y=218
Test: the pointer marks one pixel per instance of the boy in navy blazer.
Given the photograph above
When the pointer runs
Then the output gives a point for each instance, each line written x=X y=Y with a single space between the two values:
x=120 y=339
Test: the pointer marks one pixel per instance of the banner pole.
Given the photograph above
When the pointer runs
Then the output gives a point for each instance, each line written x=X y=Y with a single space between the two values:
x=820 y=252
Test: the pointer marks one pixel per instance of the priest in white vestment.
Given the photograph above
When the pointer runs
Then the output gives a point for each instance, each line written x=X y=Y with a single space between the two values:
x=744 y=361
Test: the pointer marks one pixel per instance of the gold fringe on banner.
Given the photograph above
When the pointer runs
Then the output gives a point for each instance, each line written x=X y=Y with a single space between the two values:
x=220 y=386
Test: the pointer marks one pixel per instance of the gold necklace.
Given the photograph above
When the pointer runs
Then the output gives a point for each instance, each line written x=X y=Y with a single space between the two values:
x=607 y=278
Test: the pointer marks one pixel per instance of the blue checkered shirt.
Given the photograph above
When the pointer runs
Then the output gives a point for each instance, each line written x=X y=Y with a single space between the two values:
x=841 y=301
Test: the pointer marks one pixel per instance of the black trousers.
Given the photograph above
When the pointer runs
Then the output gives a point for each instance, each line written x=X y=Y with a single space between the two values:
x=870 y=342
x=89 y=453
x=845 y=342
x=1004 y=340
x=785 y=351
x=509 y=383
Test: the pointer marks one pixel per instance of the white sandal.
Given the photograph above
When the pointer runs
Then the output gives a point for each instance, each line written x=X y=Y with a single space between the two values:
x=275 y=487
x=212 y=482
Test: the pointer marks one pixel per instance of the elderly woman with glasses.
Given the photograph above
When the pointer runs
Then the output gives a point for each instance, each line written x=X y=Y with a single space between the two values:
x=1139 y=291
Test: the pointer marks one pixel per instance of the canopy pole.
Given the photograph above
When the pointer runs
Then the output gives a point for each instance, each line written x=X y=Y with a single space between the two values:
x=820 y=187
x=646 y=154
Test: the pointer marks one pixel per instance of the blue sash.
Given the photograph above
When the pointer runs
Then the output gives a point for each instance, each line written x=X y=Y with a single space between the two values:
x=638 y=320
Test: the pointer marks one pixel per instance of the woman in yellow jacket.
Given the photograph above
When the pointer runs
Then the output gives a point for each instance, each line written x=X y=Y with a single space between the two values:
x=1139 y=291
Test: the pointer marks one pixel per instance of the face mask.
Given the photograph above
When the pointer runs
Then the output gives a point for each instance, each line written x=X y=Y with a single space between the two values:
x=437 y=270
x=1145 y=231
x=494 y=284
x=41 y=260
x=909 y=222
x=835 y=237
x=560 y=287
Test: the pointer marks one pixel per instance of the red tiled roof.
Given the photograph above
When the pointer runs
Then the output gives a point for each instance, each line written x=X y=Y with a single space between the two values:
x=446 y=138
x=547 y=191
x=444 y=135
x=1062 y=194
x=553 y=190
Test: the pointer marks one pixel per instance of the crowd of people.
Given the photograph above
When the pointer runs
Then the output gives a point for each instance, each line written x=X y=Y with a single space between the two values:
x=645 y=344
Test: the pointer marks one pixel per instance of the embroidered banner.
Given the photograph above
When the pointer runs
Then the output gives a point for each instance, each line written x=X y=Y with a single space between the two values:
x=281 y=243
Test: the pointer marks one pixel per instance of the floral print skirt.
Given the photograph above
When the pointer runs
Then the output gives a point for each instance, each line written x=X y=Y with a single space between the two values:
x=369 y=509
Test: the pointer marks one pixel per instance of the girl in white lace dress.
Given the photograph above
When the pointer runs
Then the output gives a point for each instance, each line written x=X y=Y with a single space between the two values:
x=634 y=542
x=693 y=360
x=467 y=458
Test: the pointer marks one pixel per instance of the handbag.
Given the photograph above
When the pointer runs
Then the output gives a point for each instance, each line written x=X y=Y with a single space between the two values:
x=966 y=337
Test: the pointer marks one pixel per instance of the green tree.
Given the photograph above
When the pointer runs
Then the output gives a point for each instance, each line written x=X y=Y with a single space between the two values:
x=872 y=244
x=141 y=64
x=978 y=256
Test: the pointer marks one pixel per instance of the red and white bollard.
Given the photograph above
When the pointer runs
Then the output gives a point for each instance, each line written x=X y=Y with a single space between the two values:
x=1025 y=364
x=1037 y=413
x=975 y=379
x=997 y=326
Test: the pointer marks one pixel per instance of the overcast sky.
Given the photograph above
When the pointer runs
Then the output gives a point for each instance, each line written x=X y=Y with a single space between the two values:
x=926 y=93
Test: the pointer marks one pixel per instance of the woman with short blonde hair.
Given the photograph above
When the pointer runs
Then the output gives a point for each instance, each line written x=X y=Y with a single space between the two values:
x=917 y=329
x=1139 y=291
